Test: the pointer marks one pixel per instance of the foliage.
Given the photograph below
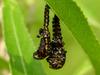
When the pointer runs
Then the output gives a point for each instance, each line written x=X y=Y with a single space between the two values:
x=80 y=42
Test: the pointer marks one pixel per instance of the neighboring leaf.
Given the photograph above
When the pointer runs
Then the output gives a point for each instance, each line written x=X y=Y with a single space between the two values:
x=18 y=42
x=3 y=64
x=90 y=8
x=71 y=15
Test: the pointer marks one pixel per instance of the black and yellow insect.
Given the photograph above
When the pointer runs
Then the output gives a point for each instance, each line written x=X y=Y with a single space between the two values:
x=57 y=54
x=42 y=51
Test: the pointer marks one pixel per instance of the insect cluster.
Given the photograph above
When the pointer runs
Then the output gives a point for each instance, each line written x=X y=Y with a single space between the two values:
x=44 y=33
x=52 y=50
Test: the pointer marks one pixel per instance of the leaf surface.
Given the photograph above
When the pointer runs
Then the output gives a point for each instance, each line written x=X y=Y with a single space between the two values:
x=73 y=18
x=19 y=44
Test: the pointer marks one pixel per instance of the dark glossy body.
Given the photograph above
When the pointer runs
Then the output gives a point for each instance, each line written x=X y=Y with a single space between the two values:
x=44 y=33
x=57 y=54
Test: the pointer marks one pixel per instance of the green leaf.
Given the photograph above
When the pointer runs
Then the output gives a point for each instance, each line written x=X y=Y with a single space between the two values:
x=75 y=64
x=90 y=8
x=73 y=18
x=18 y=42
x=3 y=64
x=20 y=46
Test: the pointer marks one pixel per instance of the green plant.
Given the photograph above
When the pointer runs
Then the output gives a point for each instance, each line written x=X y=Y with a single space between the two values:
x=80 y=42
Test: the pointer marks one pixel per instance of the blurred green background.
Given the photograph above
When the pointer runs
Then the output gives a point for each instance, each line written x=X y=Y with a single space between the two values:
x=77 y=62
